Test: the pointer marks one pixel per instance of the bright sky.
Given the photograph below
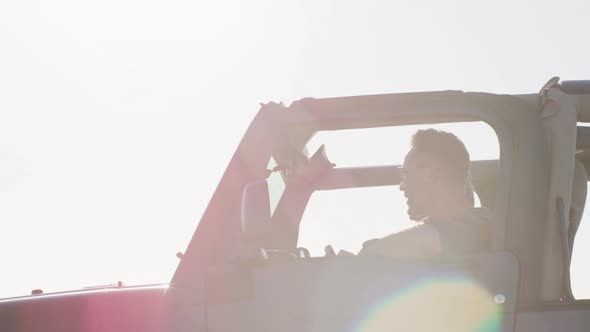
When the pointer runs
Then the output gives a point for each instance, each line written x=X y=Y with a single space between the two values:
x=117 y=118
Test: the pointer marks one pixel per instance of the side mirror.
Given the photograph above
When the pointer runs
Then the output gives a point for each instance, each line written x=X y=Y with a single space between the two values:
x=255 y=208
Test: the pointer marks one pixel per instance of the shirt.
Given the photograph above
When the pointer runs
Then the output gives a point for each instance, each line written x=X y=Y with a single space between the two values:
x=468 y=233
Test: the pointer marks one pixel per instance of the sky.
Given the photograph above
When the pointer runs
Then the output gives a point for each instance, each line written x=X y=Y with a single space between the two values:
x=117 y=118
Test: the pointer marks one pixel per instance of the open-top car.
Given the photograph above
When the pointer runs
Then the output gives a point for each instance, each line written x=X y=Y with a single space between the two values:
x=246 y=269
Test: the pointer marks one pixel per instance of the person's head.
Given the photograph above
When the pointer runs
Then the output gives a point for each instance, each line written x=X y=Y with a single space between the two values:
x=435 y=175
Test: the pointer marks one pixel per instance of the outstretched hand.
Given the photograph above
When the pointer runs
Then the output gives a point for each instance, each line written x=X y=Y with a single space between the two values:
x=306 y=171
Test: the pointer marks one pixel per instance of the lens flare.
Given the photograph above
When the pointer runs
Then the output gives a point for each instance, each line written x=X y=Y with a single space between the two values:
x=442 y=303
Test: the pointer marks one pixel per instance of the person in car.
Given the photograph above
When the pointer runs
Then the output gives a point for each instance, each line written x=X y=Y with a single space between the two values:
x=435 y=179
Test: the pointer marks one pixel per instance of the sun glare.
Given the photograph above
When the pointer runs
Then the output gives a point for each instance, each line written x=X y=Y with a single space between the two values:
x=438 y=303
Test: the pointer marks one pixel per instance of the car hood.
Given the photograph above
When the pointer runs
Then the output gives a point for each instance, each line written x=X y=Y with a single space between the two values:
x=142 y=308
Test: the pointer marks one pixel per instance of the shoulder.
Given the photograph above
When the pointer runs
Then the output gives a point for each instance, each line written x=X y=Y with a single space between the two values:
x=420 y=241
x=479 y=214
x=473 y=214
x=472 y=218
x=466 y=233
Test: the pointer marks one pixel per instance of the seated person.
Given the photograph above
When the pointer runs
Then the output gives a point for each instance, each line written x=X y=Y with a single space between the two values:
x=436 y=183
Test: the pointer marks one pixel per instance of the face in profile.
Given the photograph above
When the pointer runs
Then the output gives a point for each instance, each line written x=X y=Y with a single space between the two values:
x=435 y=175
x=418 y=184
